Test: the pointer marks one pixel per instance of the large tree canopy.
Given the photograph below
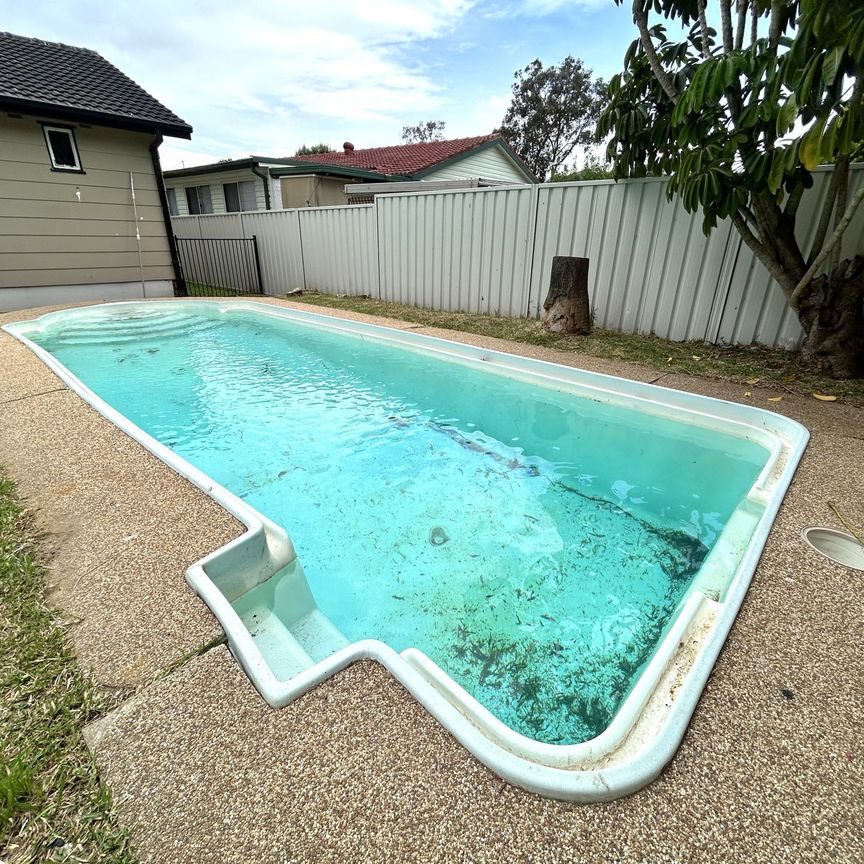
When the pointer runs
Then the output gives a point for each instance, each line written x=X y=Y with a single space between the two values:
x=554 y=109
x=304 y=150
x=427 y=130
x=739 y=120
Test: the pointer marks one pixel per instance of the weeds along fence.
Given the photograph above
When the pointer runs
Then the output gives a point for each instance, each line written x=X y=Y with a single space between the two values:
x=490 y=250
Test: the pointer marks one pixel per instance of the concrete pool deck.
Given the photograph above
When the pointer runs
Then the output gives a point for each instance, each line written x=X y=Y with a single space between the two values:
x=771 y=768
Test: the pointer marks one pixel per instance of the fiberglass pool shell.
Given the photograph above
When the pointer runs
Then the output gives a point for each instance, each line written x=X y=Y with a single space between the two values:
x=643 y=731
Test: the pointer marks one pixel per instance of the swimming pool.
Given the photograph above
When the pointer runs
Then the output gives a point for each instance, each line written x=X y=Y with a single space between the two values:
x=538 y=553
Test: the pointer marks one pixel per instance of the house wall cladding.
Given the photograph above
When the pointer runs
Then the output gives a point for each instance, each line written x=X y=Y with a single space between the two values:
x=68 y=228
x=490 y=250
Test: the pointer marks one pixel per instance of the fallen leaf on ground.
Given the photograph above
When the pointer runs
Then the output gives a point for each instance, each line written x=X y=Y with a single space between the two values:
x=823 y=398
x=668 y=359
x=695 y=357
x=775 y=398
x=747 y=393
x=752 y=381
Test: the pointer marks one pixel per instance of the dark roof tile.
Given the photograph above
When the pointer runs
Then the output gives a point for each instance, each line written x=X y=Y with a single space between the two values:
x=64 y=78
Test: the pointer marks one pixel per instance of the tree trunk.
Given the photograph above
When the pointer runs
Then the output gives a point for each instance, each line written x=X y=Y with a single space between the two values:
x=832 y=315
x=566 y=308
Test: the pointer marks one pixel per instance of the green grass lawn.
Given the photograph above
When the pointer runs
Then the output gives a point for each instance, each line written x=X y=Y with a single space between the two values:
x=750 y=367
x=53 y=807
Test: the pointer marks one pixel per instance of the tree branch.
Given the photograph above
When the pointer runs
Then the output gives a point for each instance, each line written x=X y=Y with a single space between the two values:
x=833 y=240
x=640 y=18
x=726 y=24
x=754 y=22
x=703 y=26
x=742 y=22
x=793 y=201
x=781 y=234
x=774 y=26
x=759 y=250
x=839 y=210
x=839 y=181
x=841 y=165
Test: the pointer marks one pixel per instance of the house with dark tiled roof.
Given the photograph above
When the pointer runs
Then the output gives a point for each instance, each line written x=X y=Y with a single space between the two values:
x=83 y=209
x=320 y=179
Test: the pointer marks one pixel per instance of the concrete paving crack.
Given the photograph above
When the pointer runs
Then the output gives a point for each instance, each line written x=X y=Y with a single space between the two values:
x=32 y=395
x=221 y=639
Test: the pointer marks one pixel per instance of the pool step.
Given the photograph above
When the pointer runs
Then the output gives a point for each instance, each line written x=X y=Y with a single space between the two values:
x=719 y=568
x=284 y=654
x=141 y=327
x=318 y=635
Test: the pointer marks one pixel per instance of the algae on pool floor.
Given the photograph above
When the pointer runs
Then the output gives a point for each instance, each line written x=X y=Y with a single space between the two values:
x=569 y=521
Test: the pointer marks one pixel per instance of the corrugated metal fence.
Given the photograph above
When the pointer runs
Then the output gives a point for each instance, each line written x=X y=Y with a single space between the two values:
x=490 y=250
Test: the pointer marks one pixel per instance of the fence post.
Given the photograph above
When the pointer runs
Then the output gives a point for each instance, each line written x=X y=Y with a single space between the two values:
x=180 y=288
x=257 y=263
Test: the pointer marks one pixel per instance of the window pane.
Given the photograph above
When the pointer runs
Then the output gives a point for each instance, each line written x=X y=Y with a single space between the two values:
x=62 y=148
x=172 y=201
x=204 y=198
x=192 y=200
x=248 y=201
x=232 y=199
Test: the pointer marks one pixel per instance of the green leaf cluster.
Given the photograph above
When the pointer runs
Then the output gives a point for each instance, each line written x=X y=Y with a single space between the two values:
x=754 y=118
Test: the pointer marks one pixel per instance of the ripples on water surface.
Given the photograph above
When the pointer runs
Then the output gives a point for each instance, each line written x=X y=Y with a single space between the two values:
x=532 y=543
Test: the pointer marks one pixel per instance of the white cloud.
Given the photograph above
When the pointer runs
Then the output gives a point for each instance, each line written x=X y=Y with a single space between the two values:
x=252 y=78
x=264 y=76
x=484 y=116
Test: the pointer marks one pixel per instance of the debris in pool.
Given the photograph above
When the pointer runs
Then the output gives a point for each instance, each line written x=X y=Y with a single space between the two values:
x=438 y=536
x=397 y=596
x=152 y=350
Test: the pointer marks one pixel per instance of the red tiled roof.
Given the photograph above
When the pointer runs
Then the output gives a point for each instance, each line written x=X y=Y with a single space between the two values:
x=401 y=159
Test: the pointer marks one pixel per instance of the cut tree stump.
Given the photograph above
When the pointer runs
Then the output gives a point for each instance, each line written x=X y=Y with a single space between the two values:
x=566 y=308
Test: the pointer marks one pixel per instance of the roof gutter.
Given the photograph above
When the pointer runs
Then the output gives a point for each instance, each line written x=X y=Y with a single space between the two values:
x=35 y=108
x=266 y=178
x=179 y=281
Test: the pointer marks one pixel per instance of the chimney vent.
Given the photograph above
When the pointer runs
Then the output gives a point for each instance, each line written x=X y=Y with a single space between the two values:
x=348 y=147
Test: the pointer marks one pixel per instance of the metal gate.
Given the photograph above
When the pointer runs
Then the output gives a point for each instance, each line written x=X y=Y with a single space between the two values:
x=220 y=266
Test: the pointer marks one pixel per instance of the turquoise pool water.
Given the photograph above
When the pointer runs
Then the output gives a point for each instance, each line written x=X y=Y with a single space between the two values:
x=534 y=544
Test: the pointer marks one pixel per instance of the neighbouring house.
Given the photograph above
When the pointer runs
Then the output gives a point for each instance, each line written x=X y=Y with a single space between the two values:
x=77 y=136
x=320 y=180
x=229 y=186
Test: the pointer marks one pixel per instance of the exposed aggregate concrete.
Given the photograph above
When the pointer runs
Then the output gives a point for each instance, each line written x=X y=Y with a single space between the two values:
x=771 y=768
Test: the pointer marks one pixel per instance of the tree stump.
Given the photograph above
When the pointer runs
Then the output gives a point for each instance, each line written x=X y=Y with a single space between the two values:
x=566 y=308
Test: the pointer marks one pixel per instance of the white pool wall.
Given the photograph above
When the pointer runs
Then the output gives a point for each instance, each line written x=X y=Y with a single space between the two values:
x=649 y=726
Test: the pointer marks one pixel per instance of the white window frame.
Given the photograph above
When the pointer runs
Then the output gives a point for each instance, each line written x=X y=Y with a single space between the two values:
x=237 y=184
x=198 y=199
x=171 y=197
x=70 y=132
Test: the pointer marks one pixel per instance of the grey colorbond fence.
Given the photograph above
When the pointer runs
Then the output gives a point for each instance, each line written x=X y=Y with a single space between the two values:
x=490 y=250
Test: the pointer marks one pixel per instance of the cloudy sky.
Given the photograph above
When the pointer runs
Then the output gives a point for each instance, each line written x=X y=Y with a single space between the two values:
x=265 y=76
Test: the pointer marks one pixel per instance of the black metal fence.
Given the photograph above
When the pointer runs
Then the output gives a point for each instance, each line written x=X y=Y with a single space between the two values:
x=220 y=266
